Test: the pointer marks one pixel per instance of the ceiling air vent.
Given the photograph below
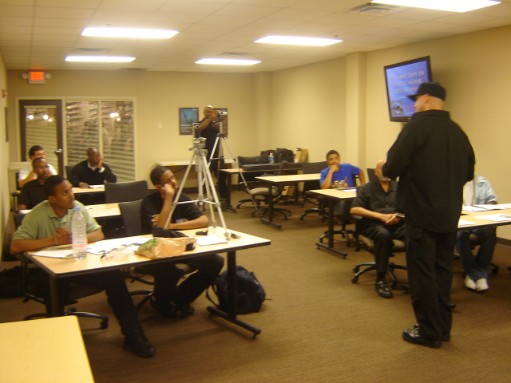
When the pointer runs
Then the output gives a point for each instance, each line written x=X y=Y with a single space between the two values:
x=374 y=9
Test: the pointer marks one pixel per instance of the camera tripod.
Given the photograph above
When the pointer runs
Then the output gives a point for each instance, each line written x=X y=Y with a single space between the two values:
x=221 y=138
x=205 y=184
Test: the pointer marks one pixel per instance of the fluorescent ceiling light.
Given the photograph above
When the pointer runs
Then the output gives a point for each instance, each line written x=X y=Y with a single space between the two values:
x=297 y=40
x=131 y=33
x=100 y=59
x=441 y=5
x=227 y=62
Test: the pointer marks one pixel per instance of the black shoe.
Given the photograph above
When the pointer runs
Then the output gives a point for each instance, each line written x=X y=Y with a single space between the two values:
x=172 y=311
x=445 y=337
x=412 y=335
x=139 y=345
x=383 y=289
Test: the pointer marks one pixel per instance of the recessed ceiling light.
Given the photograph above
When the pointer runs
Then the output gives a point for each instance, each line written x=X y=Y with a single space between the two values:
x=100 y=59
x=227 y=62
x=297 y=40
x=130 y=33
x=442 y=5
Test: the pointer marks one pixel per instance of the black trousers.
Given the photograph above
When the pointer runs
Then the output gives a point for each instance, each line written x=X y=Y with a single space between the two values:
x=166 y=277
x=117 y=293
x=429 y=257
x=382 y=236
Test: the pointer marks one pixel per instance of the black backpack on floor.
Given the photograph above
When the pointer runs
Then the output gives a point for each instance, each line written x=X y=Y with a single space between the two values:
x=249 y=296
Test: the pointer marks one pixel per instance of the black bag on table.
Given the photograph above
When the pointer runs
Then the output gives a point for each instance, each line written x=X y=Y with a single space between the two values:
x=249 y=296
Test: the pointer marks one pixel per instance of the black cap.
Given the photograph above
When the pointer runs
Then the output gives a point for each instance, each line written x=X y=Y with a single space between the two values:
x=432 y=88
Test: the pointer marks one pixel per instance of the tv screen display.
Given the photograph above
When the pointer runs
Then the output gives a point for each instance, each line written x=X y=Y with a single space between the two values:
x=403 y=79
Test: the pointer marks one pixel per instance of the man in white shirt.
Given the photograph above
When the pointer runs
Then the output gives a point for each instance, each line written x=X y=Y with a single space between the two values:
x=476 y=192
x=27 y=174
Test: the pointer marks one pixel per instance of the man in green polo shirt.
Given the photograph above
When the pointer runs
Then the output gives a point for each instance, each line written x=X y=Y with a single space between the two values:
x=49 y=224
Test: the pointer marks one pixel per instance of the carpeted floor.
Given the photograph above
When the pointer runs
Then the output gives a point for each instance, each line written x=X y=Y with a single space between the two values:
x=316 y=326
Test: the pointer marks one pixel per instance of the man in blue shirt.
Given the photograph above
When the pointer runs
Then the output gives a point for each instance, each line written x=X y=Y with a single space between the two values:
x=337 y=175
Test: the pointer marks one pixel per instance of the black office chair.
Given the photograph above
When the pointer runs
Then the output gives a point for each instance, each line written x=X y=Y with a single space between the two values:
x=257 y=194
x=125 y=191
x=69 y=170
x=366 y=243
x=320 y=209
x=344 y=219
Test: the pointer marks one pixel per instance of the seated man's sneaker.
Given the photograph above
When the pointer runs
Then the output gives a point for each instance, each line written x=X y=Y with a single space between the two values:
x=481 y=285
x=172 y=311
x=383 y=289
x=139 y=345
x=469 y=283
x=412 y=335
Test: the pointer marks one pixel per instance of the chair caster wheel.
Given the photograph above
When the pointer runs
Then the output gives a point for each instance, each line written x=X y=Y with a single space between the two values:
x=354 y=280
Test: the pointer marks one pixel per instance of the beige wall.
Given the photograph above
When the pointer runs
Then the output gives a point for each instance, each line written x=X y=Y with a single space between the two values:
x=4 y=155
x=334 y=104
x=157 y=95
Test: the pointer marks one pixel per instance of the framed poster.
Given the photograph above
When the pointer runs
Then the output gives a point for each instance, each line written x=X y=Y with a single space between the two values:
x=187 y=116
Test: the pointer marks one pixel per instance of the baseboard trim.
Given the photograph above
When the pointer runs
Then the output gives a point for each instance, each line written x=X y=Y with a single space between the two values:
x=504 y=241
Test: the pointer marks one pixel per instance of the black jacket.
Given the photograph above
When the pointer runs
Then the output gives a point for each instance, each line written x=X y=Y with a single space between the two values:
x=433 y=159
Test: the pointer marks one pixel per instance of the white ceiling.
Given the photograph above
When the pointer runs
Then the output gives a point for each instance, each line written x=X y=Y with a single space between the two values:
x=38 y=34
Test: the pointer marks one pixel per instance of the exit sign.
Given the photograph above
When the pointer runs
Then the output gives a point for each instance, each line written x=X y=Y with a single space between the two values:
x=36 y=77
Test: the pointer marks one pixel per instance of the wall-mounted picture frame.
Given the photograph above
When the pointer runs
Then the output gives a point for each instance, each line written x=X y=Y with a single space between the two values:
x=187 y=117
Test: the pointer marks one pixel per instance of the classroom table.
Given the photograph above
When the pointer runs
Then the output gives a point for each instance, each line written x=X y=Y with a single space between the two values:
x=281 y=180
x=43 y=350
x=98 y=211
x=92 y=189
x=59 y=268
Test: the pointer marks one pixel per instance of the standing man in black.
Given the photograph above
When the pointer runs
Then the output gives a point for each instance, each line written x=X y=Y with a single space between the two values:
x=209 y=128
x=433 y=159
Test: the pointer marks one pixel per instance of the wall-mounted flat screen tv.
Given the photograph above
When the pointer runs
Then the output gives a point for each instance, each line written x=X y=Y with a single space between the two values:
x=403 y=79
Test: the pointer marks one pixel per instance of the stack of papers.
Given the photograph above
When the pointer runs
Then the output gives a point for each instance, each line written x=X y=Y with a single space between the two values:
x=485 y=207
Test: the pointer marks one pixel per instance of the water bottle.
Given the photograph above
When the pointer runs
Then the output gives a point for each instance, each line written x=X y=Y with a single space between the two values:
x=79 y=234
x=271 y=160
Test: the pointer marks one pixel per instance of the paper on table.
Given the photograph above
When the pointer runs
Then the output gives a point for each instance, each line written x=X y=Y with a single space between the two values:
x=103 y=247
x=495 y=217
x=464 y=222
x=498 y=206
x=55 y=253
x=210 y=240
x=472 y=208
x=97 y=186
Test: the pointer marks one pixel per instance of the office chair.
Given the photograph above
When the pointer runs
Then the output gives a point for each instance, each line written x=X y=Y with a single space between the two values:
x=132 y=222
x=69 y=170
x=344 y=219
x=366 y=243
x=258 y=195
x=370 y=174
x=320 y=209
x=125 y=191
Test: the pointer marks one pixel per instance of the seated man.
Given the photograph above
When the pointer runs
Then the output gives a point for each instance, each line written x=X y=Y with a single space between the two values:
x=32 y=193
x=478 y=191
x=339 y=175
x=376 y=202
x=171 y=300
x=27 y=174
x=92 y=171
x=48 y=224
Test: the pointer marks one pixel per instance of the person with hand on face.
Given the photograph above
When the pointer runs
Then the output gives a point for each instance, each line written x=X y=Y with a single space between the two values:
x=339 y=175
x=92 y=171
x=32 y=193
x=170 y=299
x=27 y=173
x=49 y=224
x=376 y=202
